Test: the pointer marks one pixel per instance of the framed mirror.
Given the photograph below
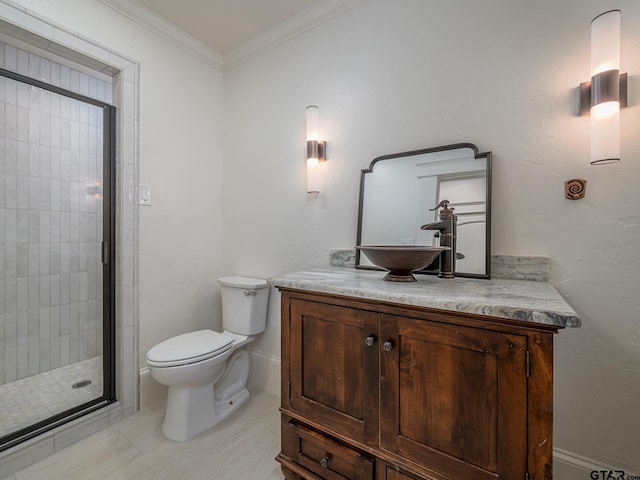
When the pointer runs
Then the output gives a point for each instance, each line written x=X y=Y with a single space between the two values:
x=399 y=191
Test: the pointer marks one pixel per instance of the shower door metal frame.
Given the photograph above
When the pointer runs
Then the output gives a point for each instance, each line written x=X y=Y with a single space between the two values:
x=108 y=271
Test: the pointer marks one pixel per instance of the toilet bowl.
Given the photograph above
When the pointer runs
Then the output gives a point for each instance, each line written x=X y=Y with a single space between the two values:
x=207 y=371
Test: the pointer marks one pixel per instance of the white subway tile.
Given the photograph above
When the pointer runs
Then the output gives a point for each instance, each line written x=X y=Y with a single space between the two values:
x=34 y=358
x=45 y=131
x=10 y=58
x=65 y=77
x=45 y=70
x=65 y=327
x=55 y=74
x=22 y=330
x=34 y=227
x=44 y=291
x=10 y=330
x=23 y=158
x=22 y=260
x=23 y=292
x=10 y=364
x=44 y=355
x=22 y=192
x=10 y=226
x=34 y=266
x=54 y=291
x=24 y=96
x=55 y=265
x=10 y=287
x=34 y=65
x=54 y=353
x=11 y=120
x=45 y=323
x=23 y=125
x=10 y=190
x=23 y=62
x=23 y=361
x=45 y=258
x=34 y=127
x=64 y=350
x=9 y=261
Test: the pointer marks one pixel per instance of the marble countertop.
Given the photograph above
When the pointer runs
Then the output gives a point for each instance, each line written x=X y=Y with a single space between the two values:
x=522 y=300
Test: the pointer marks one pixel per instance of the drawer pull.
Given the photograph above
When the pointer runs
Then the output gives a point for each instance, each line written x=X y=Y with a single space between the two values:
x=388 y=346
x=370 y=340
x=324 y=462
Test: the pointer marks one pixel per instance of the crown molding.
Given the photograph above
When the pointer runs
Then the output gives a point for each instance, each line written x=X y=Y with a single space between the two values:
x=309 y=18
x=296 y=25
x=170 y=32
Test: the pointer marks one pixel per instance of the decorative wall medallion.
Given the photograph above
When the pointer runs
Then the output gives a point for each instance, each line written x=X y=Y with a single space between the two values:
x=575 y=188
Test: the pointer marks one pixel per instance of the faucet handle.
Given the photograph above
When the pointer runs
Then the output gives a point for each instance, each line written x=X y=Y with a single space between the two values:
x=445 y=207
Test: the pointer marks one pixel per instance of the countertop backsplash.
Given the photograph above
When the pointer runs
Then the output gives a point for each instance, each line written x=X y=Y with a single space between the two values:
x=511 y=267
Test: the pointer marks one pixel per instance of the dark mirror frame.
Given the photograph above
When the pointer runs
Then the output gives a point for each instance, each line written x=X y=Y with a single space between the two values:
x=477 y=155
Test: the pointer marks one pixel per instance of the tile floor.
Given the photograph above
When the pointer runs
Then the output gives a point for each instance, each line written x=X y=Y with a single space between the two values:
x=241 y=447
x=32 y=399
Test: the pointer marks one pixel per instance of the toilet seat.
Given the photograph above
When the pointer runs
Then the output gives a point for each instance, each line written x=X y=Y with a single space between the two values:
x=189 y=348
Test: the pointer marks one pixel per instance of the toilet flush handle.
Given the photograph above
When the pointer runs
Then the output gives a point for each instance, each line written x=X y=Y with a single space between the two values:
x=250 y=293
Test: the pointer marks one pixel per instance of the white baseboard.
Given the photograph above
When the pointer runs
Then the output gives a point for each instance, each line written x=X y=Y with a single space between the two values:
x=571 y=466
x=151 y=392
x=264 y=374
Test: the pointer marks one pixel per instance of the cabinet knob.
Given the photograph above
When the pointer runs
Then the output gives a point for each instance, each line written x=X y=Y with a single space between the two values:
x=370 y=340
x=388 y=346
x=324 y=462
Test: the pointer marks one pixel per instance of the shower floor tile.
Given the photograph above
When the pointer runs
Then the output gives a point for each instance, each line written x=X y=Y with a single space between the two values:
x=32 y=399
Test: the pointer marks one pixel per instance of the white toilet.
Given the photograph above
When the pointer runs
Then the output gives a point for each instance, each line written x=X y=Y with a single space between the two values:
x=207 y=371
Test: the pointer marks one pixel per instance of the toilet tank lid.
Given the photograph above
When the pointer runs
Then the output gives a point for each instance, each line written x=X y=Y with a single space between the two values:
x=243 y=282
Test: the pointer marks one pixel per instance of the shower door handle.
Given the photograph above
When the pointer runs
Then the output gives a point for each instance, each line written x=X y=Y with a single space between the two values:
x=105 y=253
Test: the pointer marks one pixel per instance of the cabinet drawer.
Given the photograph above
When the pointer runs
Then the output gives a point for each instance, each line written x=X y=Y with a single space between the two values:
x=326 y=458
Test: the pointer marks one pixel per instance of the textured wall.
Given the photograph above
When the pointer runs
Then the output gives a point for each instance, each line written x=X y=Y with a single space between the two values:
x=393 y=76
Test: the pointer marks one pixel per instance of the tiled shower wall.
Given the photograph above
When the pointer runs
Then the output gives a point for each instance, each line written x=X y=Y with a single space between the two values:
x=50 y=217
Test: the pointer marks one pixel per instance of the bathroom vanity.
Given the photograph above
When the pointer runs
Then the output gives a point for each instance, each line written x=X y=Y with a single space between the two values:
x=437 y=379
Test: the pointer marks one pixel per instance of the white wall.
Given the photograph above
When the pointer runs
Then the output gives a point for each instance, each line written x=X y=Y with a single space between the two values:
x=391 y=76
x=180 y=147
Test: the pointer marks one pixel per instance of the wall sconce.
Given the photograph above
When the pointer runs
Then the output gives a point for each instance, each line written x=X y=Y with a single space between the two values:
x=603 y=96
x=316 y=150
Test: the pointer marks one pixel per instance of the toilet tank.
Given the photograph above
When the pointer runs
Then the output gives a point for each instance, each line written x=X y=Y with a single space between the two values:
x=244 y=304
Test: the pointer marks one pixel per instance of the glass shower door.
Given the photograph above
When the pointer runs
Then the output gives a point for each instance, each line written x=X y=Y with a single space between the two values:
x=56 y=243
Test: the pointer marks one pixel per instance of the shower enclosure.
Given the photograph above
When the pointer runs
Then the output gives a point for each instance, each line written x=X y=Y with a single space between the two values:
x=57 y=246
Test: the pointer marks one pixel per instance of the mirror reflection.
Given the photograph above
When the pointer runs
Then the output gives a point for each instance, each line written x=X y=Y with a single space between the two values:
x=398 y=193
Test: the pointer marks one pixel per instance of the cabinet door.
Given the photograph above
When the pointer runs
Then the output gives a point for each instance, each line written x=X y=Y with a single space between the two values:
x=454 y=398
x=333 y=370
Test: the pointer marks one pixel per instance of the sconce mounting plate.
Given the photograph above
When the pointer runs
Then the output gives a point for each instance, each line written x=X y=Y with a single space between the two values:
x=317 y=149
x=584 y=106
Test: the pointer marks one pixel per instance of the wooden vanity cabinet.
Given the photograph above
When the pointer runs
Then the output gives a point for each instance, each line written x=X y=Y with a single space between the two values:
x=372 y=390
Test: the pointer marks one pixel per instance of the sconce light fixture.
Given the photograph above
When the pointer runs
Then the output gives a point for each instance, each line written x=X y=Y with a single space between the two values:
x=603 y=96
x=316 y=150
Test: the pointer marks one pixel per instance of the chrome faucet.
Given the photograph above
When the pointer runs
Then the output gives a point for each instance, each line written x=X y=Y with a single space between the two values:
x=447 y=228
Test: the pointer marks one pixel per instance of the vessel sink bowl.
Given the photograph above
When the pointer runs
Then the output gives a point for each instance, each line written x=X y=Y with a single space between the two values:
x=401 y=260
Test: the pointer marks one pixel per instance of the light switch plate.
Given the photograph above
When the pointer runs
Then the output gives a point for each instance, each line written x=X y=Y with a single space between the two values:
x=144 y=195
